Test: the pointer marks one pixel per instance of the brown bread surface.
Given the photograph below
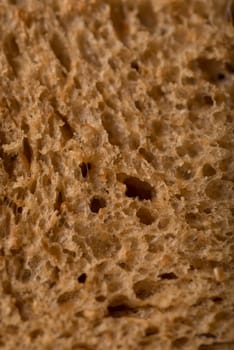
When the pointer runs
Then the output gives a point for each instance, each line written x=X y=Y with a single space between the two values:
x=116 y=175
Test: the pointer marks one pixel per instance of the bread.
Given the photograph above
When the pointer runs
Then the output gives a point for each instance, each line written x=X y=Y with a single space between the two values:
x=116 y=174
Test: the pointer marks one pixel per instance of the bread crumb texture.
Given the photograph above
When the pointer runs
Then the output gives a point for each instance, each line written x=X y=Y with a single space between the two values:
x=116 y=174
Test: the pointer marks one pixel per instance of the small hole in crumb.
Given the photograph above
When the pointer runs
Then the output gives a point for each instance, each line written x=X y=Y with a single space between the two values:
x=168 y=276
x=144 y=216
x=208 y=100
x=100 y=298
x=132 y=75
x=123 y=266
x=156 y=93
x=163 y=223
x=185 y=171
x=206 y=335
x=208 y=170
x=193 y=220
x=120 y=307
x=135 y=65
x=26 y=275
x=179 y=342
x=113 y=128
x=97 y=203
x=200 y=101
x=147 y=16
x=229 y=67
x=151 y=330
x=145 y=288
x=35 y=333
x=118 y=17
x=58 y=201
x=215 y=189
x=84 y=168
x=19 y=210
x=139 y=105
x=148 y=156
x=82 y=278
x=67 y=297
x=60 y=51
x=179 y=106
x=27 y=150
x=217 y=299
x=221 y=77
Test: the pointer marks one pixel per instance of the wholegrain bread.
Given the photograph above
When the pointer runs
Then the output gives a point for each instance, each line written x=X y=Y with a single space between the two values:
x=116 y=174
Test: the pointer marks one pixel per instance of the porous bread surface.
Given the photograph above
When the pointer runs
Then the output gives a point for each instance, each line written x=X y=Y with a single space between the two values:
x=116 y=174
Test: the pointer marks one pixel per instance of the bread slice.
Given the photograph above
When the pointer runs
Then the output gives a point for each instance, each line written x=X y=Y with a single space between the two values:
x=116 y=174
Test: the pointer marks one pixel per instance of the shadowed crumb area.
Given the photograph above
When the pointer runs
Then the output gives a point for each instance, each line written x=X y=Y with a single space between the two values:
x=116 y=175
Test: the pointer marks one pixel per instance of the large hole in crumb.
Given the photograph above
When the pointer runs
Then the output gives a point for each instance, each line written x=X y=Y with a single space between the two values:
x=97 y=203
x=145 y=216
x=135 y=188
x=145 y=288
